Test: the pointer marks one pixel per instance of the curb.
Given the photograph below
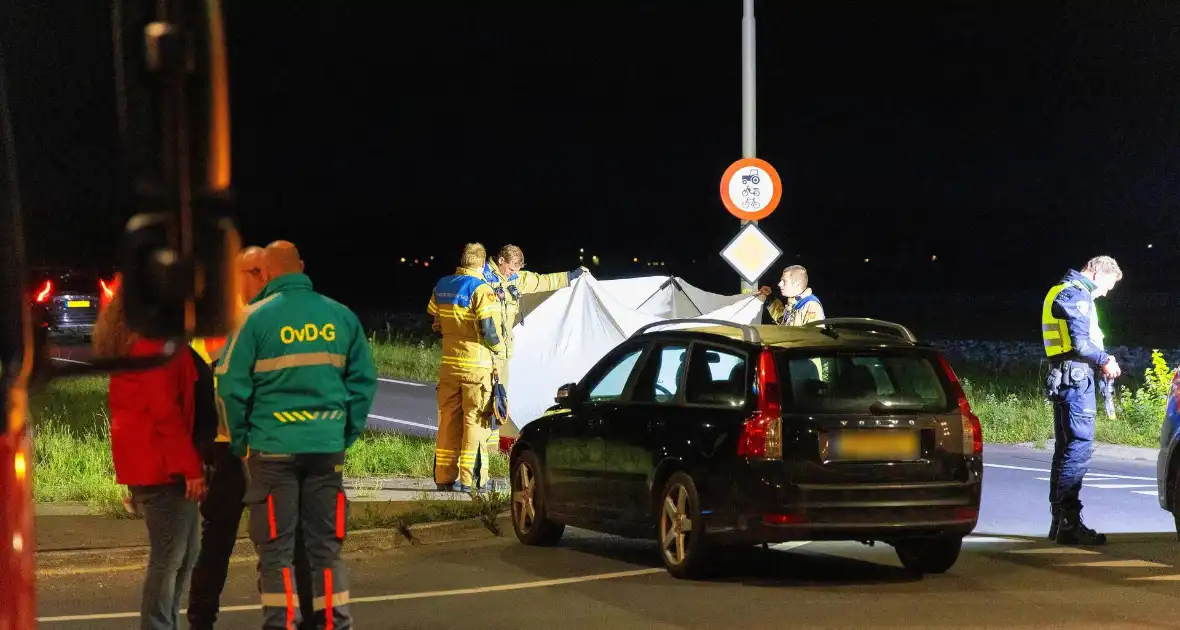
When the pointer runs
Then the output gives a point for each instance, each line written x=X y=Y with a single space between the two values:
x=359 y=542
x=1101 y=449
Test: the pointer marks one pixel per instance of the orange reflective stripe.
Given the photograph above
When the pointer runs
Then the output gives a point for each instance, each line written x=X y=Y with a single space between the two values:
x=339 y=516
x=290 y=598
x=270 y=516
x=328 y=623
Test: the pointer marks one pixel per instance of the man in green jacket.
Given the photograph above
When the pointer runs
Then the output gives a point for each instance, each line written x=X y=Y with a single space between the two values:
x=296 y=383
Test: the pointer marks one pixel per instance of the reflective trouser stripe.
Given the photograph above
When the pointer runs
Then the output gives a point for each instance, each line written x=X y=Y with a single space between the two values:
x=270 y=517
x=332 y=600
x=290 y=594
x=328 y=587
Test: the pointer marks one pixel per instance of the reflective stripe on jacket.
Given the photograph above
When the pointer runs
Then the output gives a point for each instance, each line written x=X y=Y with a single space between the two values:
x=467 y=314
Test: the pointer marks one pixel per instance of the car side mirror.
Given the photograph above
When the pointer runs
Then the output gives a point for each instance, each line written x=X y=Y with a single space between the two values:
x=568 y=394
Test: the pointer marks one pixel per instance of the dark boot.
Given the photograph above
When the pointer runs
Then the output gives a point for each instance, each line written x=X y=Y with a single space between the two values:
x=1055 y=524
x=1072 y=531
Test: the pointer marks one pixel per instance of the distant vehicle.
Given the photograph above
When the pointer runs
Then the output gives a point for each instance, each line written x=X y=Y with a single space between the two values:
x=728 y=435
x=65 y=301
x=1167 y=469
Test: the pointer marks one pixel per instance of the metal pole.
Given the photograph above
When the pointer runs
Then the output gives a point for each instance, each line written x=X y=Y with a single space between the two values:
x=749 y=105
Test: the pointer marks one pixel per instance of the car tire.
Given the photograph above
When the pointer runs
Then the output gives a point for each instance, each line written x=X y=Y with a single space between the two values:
x=530 y=519
x=1176 y=500
x=685 y=552
x=929 y=555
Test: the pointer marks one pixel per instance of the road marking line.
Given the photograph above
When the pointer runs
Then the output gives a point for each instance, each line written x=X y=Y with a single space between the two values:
x=1157 y=578
x=1121 y=486
x=394 y=380
x=1117 y=564
x=1057 y=550
x=1042 y=470
x=1150 y=493
x=791 y=545
x=1006 y=467
x=406 y=422
x=69 y=360
x=994 y=539
x=399 y=596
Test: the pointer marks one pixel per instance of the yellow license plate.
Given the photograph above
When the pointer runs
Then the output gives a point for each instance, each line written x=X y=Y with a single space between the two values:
x=896 y=445
x=78 y=304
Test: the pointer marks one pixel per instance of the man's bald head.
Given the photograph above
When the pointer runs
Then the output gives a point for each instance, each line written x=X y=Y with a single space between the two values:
x=252 y=272
x=283 y=258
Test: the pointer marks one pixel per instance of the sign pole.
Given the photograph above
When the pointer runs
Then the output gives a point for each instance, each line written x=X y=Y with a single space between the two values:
x=749 y=148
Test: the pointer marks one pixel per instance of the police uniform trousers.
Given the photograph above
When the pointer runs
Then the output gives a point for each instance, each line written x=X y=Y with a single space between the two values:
x=221 y=516
x=305 y=493
x=1074 y=408
x=463 y=410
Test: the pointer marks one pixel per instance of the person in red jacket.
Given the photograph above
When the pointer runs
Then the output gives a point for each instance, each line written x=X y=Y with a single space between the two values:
x=155 y=457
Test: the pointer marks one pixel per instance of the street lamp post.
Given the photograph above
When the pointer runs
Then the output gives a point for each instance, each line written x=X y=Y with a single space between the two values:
x=749 y=105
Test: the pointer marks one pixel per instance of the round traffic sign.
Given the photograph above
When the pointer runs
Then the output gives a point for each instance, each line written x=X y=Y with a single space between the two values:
x=751 y=189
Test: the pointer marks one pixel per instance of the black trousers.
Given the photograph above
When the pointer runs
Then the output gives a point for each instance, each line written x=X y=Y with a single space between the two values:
x=221 y=514
x=290 y=494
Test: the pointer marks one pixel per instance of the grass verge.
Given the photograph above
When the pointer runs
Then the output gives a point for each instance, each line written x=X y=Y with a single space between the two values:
x=72 y=449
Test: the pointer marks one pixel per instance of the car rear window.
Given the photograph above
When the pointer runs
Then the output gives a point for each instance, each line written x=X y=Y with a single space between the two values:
x=853 y=381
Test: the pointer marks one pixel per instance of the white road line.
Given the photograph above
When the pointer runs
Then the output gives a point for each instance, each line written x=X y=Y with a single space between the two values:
x=1056 y=550
x=1042 y=470
x=69 y=360
x=994 y=539
x=1157 y=578
x=1121 y=486
x=1150 y=493
x=405 y=422
x=399 y=596
x=1117 y=564
x=393 y=380
x=791 y=545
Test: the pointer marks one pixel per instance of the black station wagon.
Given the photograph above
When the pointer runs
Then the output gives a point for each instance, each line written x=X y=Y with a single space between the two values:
x=712 y=434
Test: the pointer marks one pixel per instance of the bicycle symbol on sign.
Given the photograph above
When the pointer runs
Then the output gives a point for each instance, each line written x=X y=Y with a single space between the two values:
x=751 y=177
x=751 y=203
x=750 y=191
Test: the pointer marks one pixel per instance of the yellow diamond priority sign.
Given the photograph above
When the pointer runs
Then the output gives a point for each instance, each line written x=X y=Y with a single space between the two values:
x=751 y=253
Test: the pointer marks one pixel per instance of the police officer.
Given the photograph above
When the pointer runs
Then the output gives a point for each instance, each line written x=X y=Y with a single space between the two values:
x=1073 y=345
x=297 y=382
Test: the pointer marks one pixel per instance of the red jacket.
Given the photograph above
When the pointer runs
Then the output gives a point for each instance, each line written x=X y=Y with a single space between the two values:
x=152 y=420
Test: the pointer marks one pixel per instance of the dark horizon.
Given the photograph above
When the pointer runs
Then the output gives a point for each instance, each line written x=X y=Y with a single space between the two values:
x=1012 y=143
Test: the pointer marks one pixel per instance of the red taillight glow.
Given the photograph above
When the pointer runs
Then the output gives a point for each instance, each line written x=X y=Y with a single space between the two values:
x=966 y=514
x=782 y=519
x=972 y=429
x=106 y=289
x=45 y=292
x=762 y=434
x=506 y=444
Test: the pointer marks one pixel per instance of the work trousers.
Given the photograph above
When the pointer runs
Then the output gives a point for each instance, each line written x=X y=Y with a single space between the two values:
x=290 y=493
x=1074 y=408
x=221 y=516
x=463 y=421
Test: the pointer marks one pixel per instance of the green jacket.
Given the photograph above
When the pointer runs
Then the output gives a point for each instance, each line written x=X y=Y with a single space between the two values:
x=297 y=376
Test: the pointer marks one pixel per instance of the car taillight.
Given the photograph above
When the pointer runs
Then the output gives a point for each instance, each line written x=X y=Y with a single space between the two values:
x=45 y=292
x=506 y=444
x=972 y=429
x=107 y=292
x=762 y=434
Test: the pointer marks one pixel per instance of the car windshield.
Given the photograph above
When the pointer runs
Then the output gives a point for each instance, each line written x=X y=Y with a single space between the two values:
x=862 y=381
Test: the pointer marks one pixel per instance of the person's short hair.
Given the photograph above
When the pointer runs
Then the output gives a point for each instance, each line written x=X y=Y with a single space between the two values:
x=511 y=255
x=474 y=256
x=796 y=273
x=1104 y=265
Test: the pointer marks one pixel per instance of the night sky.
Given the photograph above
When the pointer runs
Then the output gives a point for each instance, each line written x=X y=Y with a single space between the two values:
x=1011 y=141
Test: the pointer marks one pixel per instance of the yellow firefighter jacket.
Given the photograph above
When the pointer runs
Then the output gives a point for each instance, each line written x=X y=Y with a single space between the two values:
x=508 y=291
x=466 y=312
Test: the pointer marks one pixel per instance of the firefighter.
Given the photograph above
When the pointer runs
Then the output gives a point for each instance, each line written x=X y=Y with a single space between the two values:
x=507 y=277
x=221 y=511
x=296 y=382
x=802 y=306
x=465 y=310
x=1074 y=347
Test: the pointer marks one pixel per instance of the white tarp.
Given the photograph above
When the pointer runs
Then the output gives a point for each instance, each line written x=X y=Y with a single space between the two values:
x=562 y=334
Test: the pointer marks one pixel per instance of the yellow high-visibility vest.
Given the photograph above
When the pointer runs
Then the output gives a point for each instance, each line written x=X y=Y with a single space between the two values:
x=1055 y=330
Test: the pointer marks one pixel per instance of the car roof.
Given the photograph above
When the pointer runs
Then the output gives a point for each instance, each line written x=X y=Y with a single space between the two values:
x=800 y=336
